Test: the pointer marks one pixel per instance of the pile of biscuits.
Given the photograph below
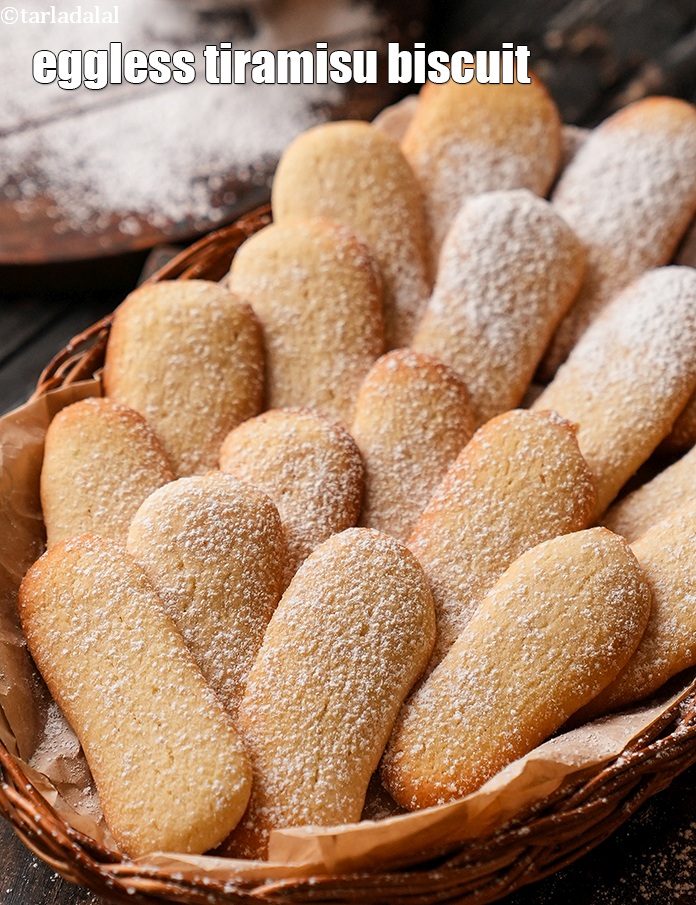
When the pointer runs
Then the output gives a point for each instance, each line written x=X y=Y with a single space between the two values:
x=323 y=521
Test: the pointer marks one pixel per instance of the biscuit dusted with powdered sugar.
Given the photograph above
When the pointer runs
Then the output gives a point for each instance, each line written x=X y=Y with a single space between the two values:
x=640 y=510
x=101 y=460
x=356 y=175
x=168 y=765
x=554 y=630
x=214 y=549
x=315 y=288
x=309 y=466
x=629 y=194
x=187 y=355
x=630 y=375
x=520 y=480
x=509 y=270
x=412 y=419
x=667 y=555
x=466 y=139
x=350 y=636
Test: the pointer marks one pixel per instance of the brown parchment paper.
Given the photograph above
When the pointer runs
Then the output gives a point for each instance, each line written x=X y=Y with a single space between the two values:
x=32 y=728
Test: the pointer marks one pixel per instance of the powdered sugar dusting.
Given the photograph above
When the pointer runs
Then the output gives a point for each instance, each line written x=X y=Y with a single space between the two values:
x=629 y=194
x=309 y=466
x=630 y=375
x=509 y=270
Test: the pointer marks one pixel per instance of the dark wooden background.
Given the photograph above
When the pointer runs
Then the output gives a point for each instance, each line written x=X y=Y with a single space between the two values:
x=595 y=55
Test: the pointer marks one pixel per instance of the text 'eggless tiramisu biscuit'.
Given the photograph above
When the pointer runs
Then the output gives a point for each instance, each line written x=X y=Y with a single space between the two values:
x=350 y=636
x=640 y=510
x=316 y=291
x=553 y=631
x=667 y=555
x=214 y=549
x=629 y=376
x=629 y=194
x=187 y=355
x=356 y=175
x=509 y=270
x=466 y=139
x=168 y=765
x=412 y=419
x=309 y=466
x=101 y=460
x=519 y=481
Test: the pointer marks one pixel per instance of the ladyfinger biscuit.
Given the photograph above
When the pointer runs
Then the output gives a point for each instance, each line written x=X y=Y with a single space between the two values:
x=629 y=194
x=412 y=419
x=187 y=355
x=395 y=119
x=509 y=270
x=520 y=480
x=356 y=175
x=316 y=291
x=466 y=139
x=168 y=765
x=214 y=550
x=350 y=636
x=629 y=376
x=667 y=555
x=553 y=631
x=309 y=466
x=672 y=488
x=101 y=460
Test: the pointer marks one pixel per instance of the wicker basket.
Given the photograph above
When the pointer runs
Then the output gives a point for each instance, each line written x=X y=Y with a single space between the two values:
x=559 y=829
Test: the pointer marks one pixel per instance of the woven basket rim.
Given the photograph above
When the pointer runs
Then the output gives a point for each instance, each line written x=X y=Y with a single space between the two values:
x=557 y=831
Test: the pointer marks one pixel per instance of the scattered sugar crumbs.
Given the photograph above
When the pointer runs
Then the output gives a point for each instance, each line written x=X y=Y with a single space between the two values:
x=164 y=152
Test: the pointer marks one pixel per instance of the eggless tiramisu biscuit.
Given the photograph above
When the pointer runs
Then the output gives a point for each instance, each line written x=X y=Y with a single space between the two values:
x=214 y=549
x=521 y=480
x=316 y=291
x=629 y=376
x=412 y=419
x=187 y=355
x=100 y=462
x=355 y=174
x=350 y=636
x=309 y=466
x=552 y=632
x=509 y=270
x=168 y=765
x=464 y=139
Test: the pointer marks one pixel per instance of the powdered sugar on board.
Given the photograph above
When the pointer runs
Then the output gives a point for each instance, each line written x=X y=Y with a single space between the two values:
x=129 y=159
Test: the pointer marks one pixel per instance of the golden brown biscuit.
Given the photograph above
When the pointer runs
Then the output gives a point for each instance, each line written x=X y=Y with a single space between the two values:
x=672 y=488
x=629 y=376
x=315 y=289
x=395 y=119
x=667 y=555
x=214 y=550
x=629 y=194
x=412 y=418
x=187 y=355
x=100 y=462
x=356 y=175
x=167 y=763
x=348 y=640
x=543 y=642
x=521 y=480
x=309 y=466
x=465 y=139
x=509 y=270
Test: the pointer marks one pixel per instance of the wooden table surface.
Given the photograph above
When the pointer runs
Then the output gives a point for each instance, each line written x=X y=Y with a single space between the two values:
x=594 y=57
